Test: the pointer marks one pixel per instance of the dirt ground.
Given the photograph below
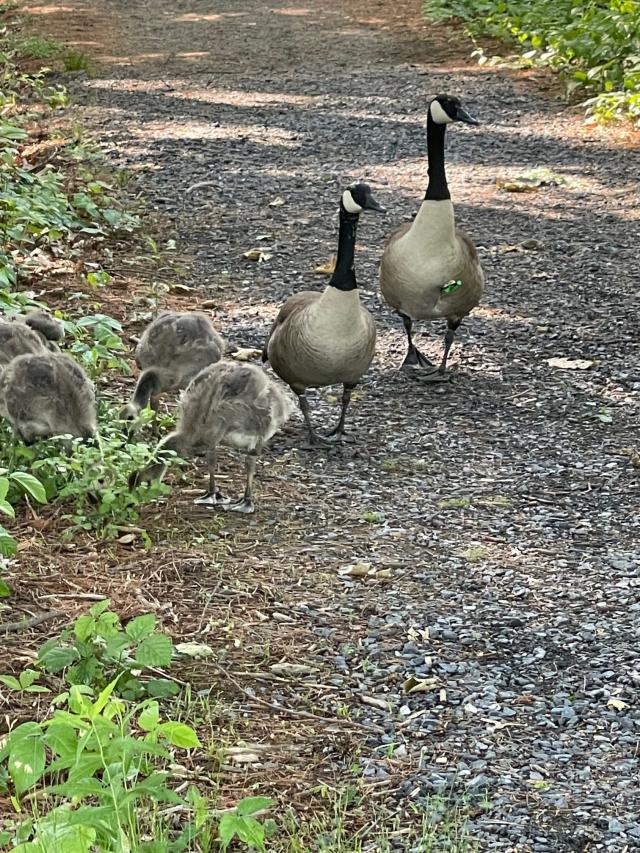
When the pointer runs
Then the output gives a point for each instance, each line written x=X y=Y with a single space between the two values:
x=499 y=513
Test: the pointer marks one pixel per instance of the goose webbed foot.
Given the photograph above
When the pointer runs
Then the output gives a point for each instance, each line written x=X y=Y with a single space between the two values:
x=339 y=436
x=243 y=505
x=434 y=376
x=314 y=440
x=213 y=499
x=415 y=359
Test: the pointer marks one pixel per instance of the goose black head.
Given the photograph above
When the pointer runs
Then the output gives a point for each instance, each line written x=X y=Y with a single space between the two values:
x=358 y=197
x=445 y=109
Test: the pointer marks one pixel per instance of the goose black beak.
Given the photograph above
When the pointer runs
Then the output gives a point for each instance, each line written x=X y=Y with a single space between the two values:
x=372 y=204
x=463 y=115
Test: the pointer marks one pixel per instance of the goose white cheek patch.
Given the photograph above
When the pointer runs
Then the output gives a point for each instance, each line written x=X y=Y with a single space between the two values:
x=438 y=114
x=349 y=204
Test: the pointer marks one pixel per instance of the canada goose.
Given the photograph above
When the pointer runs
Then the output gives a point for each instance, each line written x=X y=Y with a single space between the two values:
x=32 y=333
x=173 y=349
x=229 y=404
x=321 y=339
x=430 y=269
x=47 y=394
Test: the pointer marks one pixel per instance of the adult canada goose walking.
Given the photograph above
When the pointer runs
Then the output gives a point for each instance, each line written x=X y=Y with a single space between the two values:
x=47 y=394
x=326 y=338
x=173 y=349
x=236 y=405
x=430 y=269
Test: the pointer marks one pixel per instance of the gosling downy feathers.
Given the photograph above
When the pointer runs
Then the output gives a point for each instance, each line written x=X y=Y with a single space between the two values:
x=47 y=394
x=33 y=333
x=430 y=269
x=326 y=338
x=173 y=349
x=229 y=404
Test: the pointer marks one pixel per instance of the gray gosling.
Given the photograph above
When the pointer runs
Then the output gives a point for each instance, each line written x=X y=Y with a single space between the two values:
x=33 y=333
x=173 y=349
x=325 y=338
x=47 y=394
x=430 y=270
x=228 y=404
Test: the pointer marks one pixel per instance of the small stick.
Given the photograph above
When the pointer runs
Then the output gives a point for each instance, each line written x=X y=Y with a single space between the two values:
x=24 y=624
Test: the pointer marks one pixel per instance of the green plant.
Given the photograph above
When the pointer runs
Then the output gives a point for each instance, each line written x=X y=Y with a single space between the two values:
x=242 y=823
x=37 y=47
x=595 y=45
x=93 y=776
x=76 y=60
x=12 y=486
x=98 y=649
x=97 y=342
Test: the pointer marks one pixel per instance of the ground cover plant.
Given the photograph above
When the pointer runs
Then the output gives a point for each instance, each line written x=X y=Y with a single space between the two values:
x=594 y=45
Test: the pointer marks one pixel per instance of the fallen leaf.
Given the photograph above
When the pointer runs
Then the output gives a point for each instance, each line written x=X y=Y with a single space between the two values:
x=618 y=704
x=181 y=288
x=127 y=539
x=256 y=255
x=375 y=702
x=261 y=237
x=355 y=570
x=570 y=363
x=246 y=353
x=278 y=201
x=328 y=267
x=241 y=755
x=420 y=685
x=285 y=668
x=531 y=181
x=194 y=650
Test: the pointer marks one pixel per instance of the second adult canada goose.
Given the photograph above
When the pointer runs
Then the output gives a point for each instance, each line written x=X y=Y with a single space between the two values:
x=236 y=405
x=326 y=338
x=173 y=349
x=32 y=333
x=430 y=269
x=47 y=394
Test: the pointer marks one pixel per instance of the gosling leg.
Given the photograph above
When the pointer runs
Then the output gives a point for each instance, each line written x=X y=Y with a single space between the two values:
x=413 y=358
x=212 y=497
x=245 y=504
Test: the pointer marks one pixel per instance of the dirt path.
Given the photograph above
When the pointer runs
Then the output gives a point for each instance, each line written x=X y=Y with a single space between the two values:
x=502 y=509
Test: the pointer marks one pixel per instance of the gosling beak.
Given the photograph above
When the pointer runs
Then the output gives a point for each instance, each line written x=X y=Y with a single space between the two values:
x=463 y=115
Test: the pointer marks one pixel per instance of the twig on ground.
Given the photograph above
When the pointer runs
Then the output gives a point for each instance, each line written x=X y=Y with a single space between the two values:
x=25 y=624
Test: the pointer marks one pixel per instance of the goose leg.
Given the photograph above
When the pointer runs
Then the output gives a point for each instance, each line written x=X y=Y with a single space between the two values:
x=212 y=497
x=440 y=374
x=314 y=438
x=245 y=504
x=413 y=358
x=338 y=431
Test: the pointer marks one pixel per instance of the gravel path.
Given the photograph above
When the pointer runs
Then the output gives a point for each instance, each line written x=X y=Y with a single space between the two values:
x=492 y=649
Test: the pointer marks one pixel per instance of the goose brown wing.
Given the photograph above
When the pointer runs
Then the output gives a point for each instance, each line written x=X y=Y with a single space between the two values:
x=292 y=306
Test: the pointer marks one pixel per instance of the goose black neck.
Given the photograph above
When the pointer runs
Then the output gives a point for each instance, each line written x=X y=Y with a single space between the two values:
x=437 y=189
x=344 y=277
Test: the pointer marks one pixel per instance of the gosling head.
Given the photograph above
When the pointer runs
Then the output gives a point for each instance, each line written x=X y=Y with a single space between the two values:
x=128 y=413
x=445 y=109
x=358 y=197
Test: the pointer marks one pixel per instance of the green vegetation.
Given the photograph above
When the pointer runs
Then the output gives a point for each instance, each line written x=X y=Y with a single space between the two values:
x=595 y=45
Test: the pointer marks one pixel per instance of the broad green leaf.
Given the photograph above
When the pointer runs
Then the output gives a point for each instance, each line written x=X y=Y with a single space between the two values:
x=227 y=828
x=5 y=589
x=141 y=626
x=31 y=485
x=7 y=509
x=251 y=832
x=103 y=698
x=100 y=606
x=4 y=487
x=251 y=805
x=179 y=734
x=26 y=761
x=10 y=681
x=62 y=739
x=28 y=677
x=56 y=658
x=83 y=627
x=154 y=651
x=149 y=717
x=161 y=688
